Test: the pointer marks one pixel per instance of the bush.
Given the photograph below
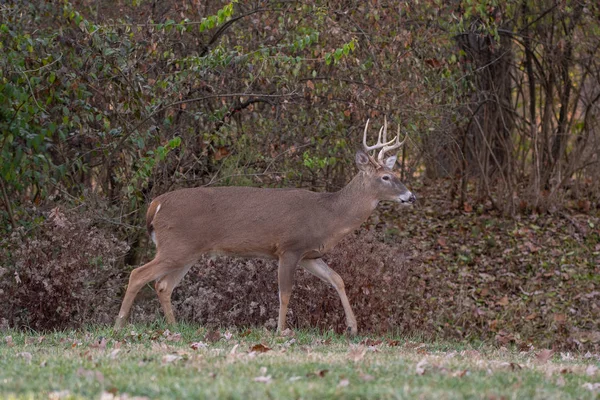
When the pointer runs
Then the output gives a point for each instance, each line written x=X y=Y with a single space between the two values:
x=231 y=291
x=61 y=274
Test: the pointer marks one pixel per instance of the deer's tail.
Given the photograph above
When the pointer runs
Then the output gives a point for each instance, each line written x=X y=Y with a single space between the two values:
x=150 y=214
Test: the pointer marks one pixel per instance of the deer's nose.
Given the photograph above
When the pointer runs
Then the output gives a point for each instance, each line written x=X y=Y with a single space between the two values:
x=412 y=198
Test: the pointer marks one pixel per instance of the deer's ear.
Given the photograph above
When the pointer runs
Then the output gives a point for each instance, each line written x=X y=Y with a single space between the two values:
x=362 y=161
x=390 y=162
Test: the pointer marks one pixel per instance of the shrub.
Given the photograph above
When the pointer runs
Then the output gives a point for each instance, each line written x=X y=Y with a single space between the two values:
x=60 y=274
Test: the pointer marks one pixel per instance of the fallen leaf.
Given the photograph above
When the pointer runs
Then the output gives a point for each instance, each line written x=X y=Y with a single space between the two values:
x=227 y=335
x=511 y=365
x=288 y=333
x=565 y=371
x=544 y=355
x=212 y=336
x=172 y=337
x=59 y=394
x=366 y=377
x=113 y=354
x=26 y=356
x=234 y=348
x=393 y=343
x=100 y=344
x=566 y=356
x=221 y=153
x=591 y=370
x=357 y=353
x=560 y=318
x=198 y=345
x=594 y=387
x=421 y=367
x=259 y=348
x=344 y=383
x=320 y=373
x=531 y=316
x=9 y=341
x=169 y=358
x=263 y=379
x=460 y=373
x=370 y=342
x=503 y=301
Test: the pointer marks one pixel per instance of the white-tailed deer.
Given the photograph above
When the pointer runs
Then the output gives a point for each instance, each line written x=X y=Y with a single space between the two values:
x=293 y=226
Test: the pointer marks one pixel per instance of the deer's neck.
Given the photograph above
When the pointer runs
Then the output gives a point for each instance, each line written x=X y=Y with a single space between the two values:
x=354 y=203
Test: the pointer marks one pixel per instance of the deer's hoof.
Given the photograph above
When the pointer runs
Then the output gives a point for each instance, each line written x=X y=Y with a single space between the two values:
x=119 y=324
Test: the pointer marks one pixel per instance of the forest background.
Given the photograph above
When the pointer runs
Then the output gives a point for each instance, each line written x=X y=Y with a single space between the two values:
x=107 y=104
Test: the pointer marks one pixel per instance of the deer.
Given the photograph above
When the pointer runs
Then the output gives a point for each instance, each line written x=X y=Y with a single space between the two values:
x=296 y=227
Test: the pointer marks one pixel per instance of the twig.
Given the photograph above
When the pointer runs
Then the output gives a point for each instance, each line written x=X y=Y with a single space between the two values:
x=7 y=203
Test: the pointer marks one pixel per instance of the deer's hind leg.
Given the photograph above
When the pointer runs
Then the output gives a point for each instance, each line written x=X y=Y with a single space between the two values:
x=321 y=270
x=164 y=287
x=139 y=277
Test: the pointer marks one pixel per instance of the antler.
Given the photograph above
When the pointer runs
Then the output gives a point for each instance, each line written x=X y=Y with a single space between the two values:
x=383 y=145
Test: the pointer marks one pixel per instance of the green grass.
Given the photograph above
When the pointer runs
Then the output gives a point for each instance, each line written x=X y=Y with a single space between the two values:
x=145 y=361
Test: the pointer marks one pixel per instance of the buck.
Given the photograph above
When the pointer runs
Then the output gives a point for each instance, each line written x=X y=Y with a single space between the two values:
x=294 y=226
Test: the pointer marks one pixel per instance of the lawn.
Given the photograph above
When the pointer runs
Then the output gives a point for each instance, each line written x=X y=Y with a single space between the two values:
x=191 y=362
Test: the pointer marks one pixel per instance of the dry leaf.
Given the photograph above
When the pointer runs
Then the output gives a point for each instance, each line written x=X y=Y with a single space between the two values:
x=259 y=348
x=169 y=358
x=9 y=341
x=198 y=345
x=591 y=370
x=393 y=343
x=60 y=394
x=212 y=336
x=366 y=377
x=221 y=153
x=594 y=387
x=357 y=353
x=531 y=316
x=227 y=335
x=100 y=344
x=560 y=318
x=288 y=333
x=263 y=379
x=113 y=354
x=421 y=367
x=320 y=373
x=544 y=355
x=172 y=337
x=503 y=301
x=344 y=383
x=26 y=356
x=234 y=348
x=460 y=373
x=310 y=84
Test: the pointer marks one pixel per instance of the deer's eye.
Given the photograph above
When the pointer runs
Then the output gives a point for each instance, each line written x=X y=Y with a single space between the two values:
x=385 y=177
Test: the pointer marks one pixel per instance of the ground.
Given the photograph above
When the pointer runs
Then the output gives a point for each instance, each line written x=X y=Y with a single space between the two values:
x=188 y=361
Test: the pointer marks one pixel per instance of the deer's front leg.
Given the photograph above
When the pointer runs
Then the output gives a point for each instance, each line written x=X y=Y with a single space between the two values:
x=321 y=270
x=285 y=274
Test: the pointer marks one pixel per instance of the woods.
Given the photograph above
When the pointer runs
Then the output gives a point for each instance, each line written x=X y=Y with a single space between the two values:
x=106 y=105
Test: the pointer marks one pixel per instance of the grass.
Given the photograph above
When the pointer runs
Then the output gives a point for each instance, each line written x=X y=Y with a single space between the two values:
x=188 y=362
